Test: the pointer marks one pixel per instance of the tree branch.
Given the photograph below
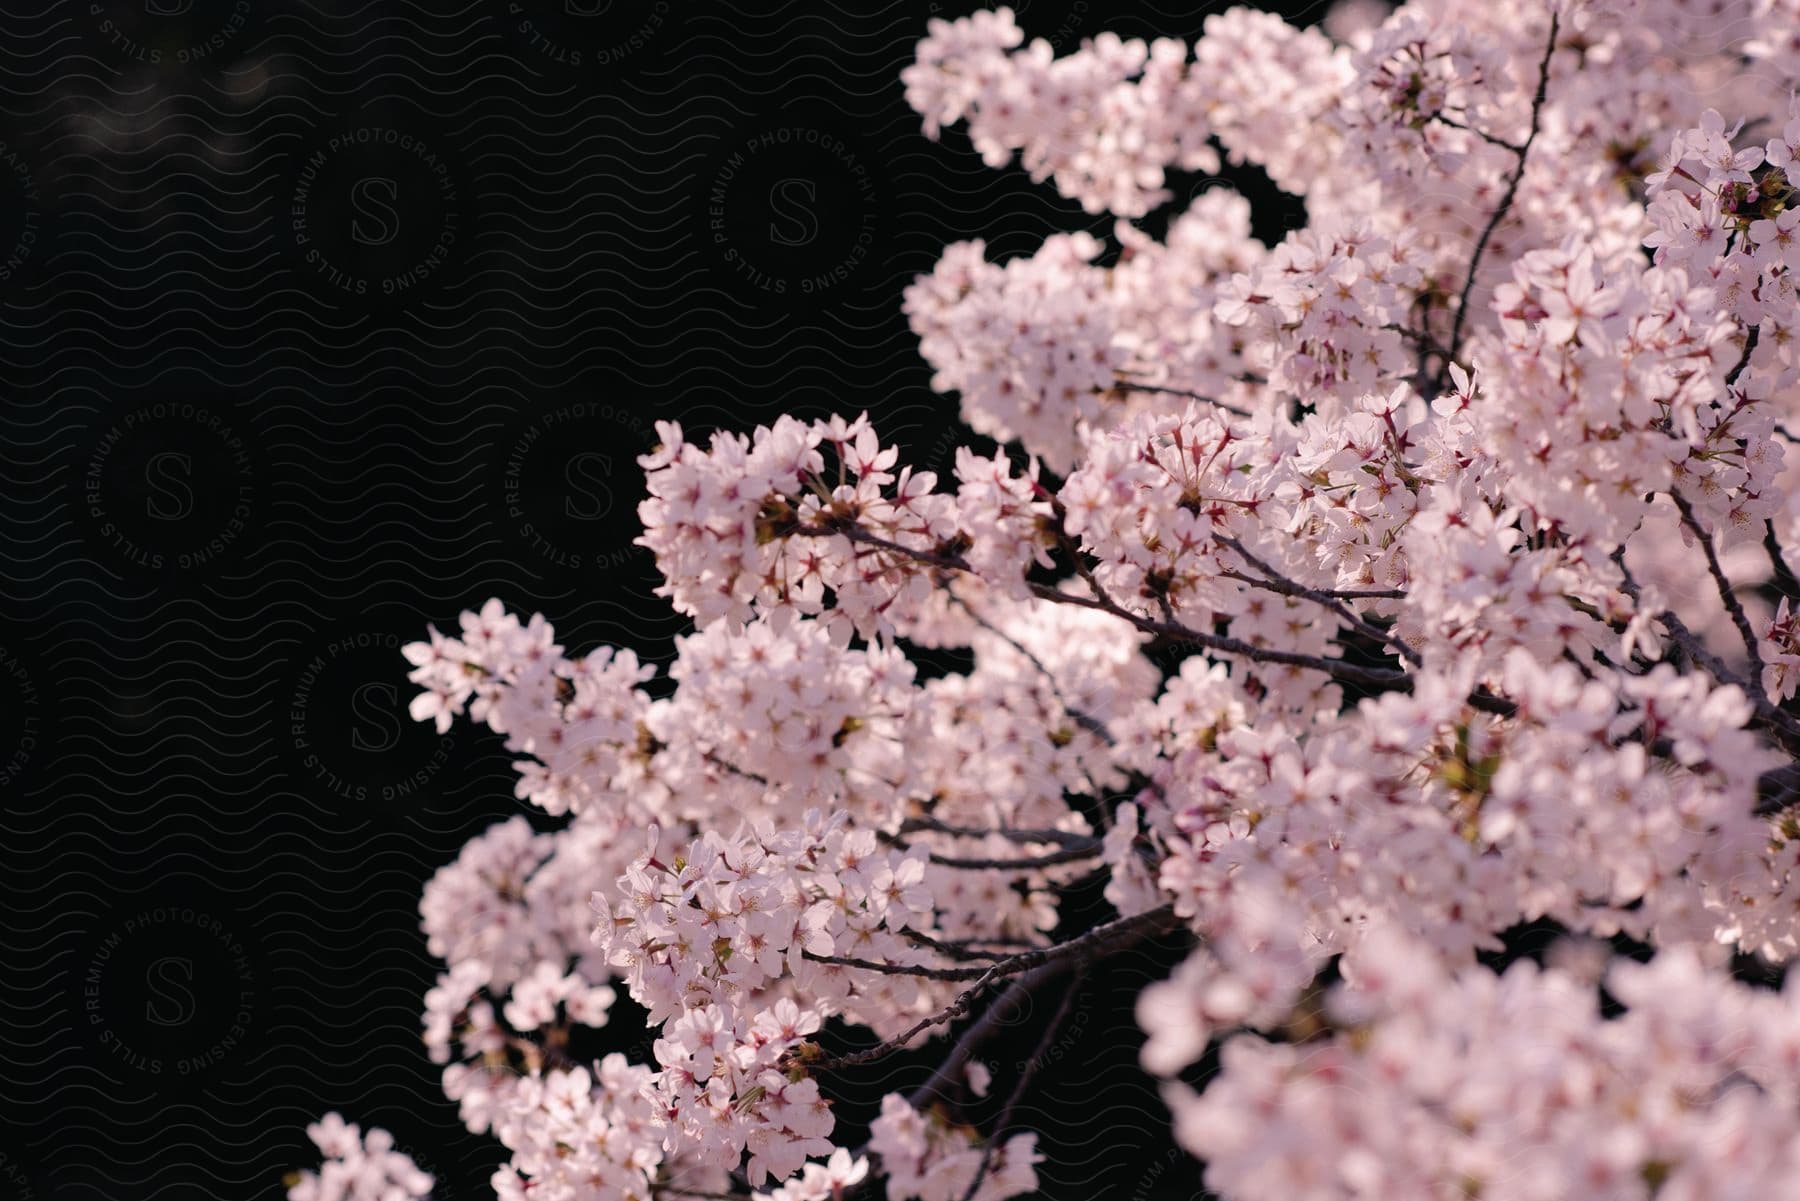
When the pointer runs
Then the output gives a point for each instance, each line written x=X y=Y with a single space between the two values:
x=1336 y=668
x=1483 y=134
x=1727 y=594
x=923 y=971
x=1768 y=715
x=1349 y=673
x=1737 y=368
x=965 y=951
x=978 y=1031
x=1113 y=936
x=1080 y=717
x=1032 y=1066
x=1785 y=582
x=915 y=825
x=1281 y=584
x=1512 y=189
x=1129 y=386
x=1378 y=679
x=1073 y=854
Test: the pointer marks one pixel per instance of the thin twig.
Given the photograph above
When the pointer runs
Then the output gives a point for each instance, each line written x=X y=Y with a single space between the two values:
x=1020 y=863
x=1483 y=134
x=1065 y=541
x=1112 y=936
x=1727 y=594
x=1129 y=386
x=1380 y=679
x=915 y=825
x=1336 y=668
x=1032 y=1066
x=1283 y=585
x=1080 y=717
x=1512 y=189
x=978 y=1031
x=1768 y=715
x=965 y=951
x=1424 y=342
x=730 y=768
x=923 y=971
x=1785 y=581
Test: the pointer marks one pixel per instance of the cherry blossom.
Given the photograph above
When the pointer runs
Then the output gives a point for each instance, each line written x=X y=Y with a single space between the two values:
x=358 y=1166
x=1335 y=607
x=1425 y=1083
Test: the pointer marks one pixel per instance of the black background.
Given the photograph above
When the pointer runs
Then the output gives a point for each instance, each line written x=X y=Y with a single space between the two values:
x=278 y=392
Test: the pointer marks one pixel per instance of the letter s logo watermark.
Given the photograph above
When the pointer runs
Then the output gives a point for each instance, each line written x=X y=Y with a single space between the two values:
x=375 y=707
x=168 y=476
x=798 y=223
x=590 y=496
x=172 y=1002
x=377 y=221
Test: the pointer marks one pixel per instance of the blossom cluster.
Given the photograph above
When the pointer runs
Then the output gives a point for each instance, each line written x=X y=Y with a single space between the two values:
x=1431 y=569
x=358 y=1166
x=1424 y=811
x=730 y=918
x=928 y=1159
x=728 y=945
x=1425 y=1083
x=1066 y=117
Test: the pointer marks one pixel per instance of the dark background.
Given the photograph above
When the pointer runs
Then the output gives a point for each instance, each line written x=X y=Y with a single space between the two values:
x=279 y=391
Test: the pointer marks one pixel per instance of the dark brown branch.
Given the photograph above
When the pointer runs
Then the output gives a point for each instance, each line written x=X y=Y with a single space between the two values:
x=1281 y=584
x=923 y=971
x=1695 y=650
x=1737 y=368
x=915 y=825
x=1072 y=853
x=1424 y=344
x=730 y=768
x=1778 y=789
x=1486 y=702
x=1030 y=1071
x=1727 y=594
x=1023 y=863
x=1785 y=582
x=952 y=1064
x=1129 y=386
x=965 y=951
x=1373 y=678
x=1768 y=715
x=1336 y=668
x=1512 y=190
x=1065 y=542
x=1483 y=134
x=1345 y=594
x=1106 y=939
x=1080 y=717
